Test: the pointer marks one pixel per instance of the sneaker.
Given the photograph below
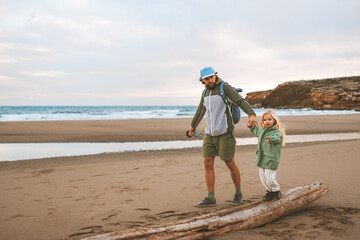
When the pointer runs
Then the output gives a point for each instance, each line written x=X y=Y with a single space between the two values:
x=268 y=196
x=237 y=200
x=277 y=195
x=206 y=203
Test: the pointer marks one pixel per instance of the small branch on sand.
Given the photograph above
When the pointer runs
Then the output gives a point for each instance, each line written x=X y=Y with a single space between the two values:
x=226 y=220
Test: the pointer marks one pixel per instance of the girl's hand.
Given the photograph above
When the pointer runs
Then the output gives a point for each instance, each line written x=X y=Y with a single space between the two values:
x=267 y=140
x=253 y=122
x=248 y=124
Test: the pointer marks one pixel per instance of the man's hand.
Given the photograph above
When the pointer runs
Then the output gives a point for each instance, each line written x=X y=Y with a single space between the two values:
x=248 y=124
x=252 y=121
x=191 y=131
x=267 y=140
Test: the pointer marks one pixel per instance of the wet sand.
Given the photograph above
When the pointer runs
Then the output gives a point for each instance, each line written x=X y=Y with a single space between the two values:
x=155 y=129
x=75 y=197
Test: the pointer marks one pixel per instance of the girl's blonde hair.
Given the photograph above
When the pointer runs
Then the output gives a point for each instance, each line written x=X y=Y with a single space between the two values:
x=277 y=123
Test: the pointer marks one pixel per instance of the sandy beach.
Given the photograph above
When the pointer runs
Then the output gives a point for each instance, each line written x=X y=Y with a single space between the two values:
x=76 y=197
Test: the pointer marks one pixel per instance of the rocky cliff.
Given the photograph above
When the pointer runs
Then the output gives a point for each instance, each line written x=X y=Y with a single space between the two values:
x=332 y=93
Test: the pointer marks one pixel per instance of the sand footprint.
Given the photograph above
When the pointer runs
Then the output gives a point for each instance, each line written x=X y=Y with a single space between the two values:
x=143 y=209
x=41 y=172
x=335 y=220
x=295 y=236
x=335 y=231
x=67 y=195
x=15 y=188
x=151 y=218
x=51 y=211
x=45 y=181
x=300 y=226
x=108 y=217
x=17 y=216
x=127 y=201
x=88 y=231
x=130 y=224
x=350 y=210
x=168 y=214
x=312 y=235
x=98 y=175
x=77 y=180
x=281 y=224
x=271 y=233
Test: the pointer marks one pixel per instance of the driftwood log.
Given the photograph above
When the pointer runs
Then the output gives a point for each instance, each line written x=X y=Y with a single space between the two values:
x=225 y=220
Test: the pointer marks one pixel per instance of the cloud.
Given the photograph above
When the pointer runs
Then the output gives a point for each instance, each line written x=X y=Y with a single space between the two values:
x=241 y=48
x=79 y=3
x=101 y=22
x=21 y=52
x=12 y=85
x=43 y=73
x=112 y=51
x=5 y=46
x=41 y=49
x=9 y=81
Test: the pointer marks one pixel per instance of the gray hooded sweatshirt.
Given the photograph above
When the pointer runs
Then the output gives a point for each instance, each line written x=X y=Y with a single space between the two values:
x=217 y=113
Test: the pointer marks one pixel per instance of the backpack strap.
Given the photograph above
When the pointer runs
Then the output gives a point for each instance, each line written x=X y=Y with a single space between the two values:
x=204 y=92
x=222 y=93
x=233 y=109
x=223 y=96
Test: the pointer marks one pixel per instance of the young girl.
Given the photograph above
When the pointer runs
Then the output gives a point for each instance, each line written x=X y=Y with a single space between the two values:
x=271 y=137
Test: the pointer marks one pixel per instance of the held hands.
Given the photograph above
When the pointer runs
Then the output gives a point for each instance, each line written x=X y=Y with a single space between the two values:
x=248 y=124
x=251 y=122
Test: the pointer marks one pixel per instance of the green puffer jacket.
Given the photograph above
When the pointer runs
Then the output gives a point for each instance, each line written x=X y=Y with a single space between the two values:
x=268 y=154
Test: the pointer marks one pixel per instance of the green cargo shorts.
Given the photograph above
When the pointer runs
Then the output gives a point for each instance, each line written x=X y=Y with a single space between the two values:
x=222 y=146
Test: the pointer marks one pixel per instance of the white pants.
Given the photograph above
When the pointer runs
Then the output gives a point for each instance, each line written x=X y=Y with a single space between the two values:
x=268 y=179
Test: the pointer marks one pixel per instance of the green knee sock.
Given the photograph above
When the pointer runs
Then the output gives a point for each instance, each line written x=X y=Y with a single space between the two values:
x=211 y=195
x=238 y=191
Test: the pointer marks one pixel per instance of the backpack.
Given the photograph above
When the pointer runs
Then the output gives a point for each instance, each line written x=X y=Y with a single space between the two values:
x=234 y=109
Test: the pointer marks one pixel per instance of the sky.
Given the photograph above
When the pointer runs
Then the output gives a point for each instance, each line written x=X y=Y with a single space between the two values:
x=150 y=52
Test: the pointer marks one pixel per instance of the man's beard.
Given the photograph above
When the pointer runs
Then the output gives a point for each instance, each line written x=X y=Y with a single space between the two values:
x=212 y=87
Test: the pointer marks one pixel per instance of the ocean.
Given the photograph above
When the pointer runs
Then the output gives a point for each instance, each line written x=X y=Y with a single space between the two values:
x=50 y=113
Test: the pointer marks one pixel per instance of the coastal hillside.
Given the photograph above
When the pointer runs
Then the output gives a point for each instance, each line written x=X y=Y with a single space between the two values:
x=325 y=94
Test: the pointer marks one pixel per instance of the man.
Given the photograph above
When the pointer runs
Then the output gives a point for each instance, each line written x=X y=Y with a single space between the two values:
x=219 y=139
